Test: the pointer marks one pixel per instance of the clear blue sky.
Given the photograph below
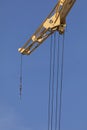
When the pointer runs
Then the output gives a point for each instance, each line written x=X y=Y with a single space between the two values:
x=18 y=21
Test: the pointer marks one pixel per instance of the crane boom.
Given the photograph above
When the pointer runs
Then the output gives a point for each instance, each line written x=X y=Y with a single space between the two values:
x=56 y=21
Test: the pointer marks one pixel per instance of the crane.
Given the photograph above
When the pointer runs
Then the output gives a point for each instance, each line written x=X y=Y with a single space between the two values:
x=56 y=21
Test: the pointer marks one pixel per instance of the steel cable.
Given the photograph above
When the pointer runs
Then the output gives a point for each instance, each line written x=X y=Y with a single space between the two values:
x=53 y=53
x=53 y=69
x=57 y=77
x=49 y=100
x=21 y=77
x=61 y=85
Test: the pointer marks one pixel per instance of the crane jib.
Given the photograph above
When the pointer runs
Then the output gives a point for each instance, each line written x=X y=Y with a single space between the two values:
x=56 y=21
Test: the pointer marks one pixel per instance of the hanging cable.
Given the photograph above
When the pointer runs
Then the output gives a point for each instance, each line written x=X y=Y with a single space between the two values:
x=21 y=77
x=50 y=85
x=53 y=69
x=61 y=86
x=53 y=99
x=57 y=77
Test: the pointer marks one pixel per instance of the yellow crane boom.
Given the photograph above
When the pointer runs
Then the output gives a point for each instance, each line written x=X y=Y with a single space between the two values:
x=56 y=21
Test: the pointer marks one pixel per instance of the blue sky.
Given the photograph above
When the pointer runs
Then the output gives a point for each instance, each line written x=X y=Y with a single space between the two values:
x=18 y=21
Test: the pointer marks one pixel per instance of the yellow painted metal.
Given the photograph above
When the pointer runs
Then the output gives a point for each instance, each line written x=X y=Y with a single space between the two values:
x=56 y=21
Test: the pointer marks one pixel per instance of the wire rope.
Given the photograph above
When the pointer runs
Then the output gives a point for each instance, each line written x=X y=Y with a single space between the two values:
x=61 y=85
x=21 y=77
x=57 y=77
x=49 y=100
x=53 y=69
